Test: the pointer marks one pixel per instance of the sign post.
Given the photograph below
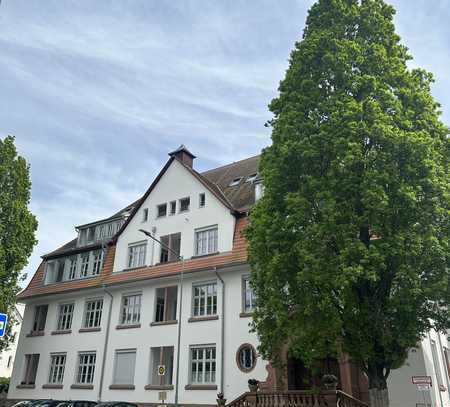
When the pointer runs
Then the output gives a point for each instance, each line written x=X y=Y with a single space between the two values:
x=3 y=323
x=162 y=395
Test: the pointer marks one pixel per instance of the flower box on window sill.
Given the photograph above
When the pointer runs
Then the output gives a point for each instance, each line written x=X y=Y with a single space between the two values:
x=52 y=386
x=61 y=332
x=128 y=326
x=159 y=387
x=170 y=322
x=203 y=318
x=201 y=387
x=82 y=386
x=35 y=333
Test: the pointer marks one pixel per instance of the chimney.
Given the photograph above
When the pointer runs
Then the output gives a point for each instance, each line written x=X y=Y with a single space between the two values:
x=184 y=155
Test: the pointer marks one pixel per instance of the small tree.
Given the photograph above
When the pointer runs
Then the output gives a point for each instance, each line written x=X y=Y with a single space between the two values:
x=350 y=244
x=17 y=227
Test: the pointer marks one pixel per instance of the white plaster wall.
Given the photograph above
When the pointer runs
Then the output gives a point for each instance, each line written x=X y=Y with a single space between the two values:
x=6 y=371
x=175 y=184
x=402 y=392
x=142 y=339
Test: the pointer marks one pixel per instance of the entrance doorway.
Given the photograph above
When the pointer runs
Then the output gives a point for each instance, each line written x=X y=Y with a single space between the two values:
x=299 y=377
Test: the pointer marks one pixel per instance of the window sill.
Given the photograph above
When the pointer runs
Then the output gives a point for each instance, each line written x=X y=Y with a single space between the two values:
x=206 y=318
x=131 y=326
x=159 y=387
x=25 y=386
x=200 y=387
x=171 y=322
x=52 y=386
x=82 y=386
x=35 y=333
x=121 y=387
x=61 y=332
x=94 y=329
x=199 y=256
x=246 y=315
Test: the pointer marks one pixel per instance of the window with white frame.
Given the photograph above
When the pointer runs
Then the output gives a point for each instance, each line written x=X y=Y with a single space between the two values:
x=170 y=248
x=31 y=367
x=161 y=210
x=166 y=304
x=84 y=269
x=40 y=317
x=97 y=262
x=185 y=204
x=248 y=295
x=65 y=316
x=161 y=356
x=201 y=200
x=204 y=299
x=72 y=267
x=173 y=208
x=57 y=366
x=203 y=365
x=93 y=313
x=206 y=240
x=86 y=367
x=145 y=215
x=131 y=309
x=124 y=366
x=136 y=254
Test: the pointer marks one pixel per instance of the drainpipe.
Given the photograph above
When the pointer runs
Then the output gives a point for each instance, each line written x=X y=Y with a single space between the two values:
x=105 y=345
x=222 y=333
x=177 y=383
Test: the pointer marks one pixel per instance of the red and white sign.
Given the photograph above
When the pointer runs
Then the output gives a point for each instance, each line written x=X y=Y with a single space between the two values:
x=422 y=380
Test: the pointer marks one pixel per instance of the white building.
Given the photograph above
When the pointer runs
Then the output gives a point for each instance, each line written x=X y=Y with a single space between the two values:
x=103 y=311
x=8 y=355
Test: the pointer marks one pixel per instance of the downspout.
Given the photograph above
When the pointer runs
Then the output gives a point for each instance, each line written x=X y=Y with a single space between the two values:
x=177 y=382
x=222 y=333
x=105 y=345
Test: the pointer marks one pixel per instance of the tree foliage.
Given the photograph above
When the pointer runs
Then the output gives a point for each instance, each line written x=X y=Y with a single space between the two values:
x=17 y=226
x=350 y=243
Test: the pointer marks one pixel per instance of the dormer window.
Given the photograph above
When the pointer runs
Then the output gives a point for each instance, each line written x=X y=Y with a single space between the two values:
x=184 y=204
x=251 y=178
x=161 y=210
x=235 y=181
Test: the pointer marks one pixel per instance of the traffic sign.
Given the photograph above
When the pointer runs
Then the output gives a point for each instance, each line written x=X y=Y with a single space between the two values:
x=421 y=380
x=3 y=323
x=161 y=370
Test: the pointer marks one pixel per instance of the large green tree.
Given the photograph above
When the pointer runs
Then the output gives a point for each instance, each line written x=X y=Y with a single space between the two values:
x=17 y=226
x=350 y=244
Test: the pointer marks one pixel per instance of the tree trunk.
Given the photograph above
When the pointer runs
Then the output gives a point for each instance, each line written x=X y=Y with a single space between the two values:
x=379 y=397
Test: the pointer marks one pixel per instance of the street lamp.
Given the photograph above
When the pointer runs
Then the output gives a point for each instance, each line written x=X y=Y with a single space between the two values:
x=180 y=258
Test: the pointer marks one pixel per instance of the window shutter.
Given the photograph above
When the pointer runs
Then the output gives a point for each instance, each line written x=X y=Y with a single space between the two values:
x=124 y=371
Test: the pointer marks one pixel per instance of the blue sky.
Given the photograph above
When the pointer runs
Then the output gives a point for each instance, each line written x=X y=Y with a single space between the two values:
x=98 y=92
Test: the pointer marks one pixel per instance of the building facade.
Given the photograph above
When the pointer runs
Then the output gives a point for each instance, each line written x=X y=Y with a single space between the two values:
x=153 y=304
x=8 y=355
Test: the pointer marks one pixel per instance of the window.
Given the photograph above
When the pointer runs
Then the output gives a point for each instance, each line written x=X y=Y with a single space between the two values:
x=91 y=234
x=248 y=295
x=86 y=368
x=57 y=365
x=436 y=364
x=206 y=241
x=31 y=366
x=201 y=200
x=131 y=309
x=40 y=316
x=246 y=357
x=93 y=313
x=166 y=304
x=161 y=210
x=72 y=267
x=60 y=270
x=173 y=207
x=124 y=366
x=84 y=265
x=184 y=204
x=65 y=317
x=161 y=356
x=259 y=191
x=97 y=264
x=145 y=215
x=235 y=182
x=447 y=361
x=203 y=365
x=251 y=178
x=205 y=299
x=136 y=255
x=170 y=248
